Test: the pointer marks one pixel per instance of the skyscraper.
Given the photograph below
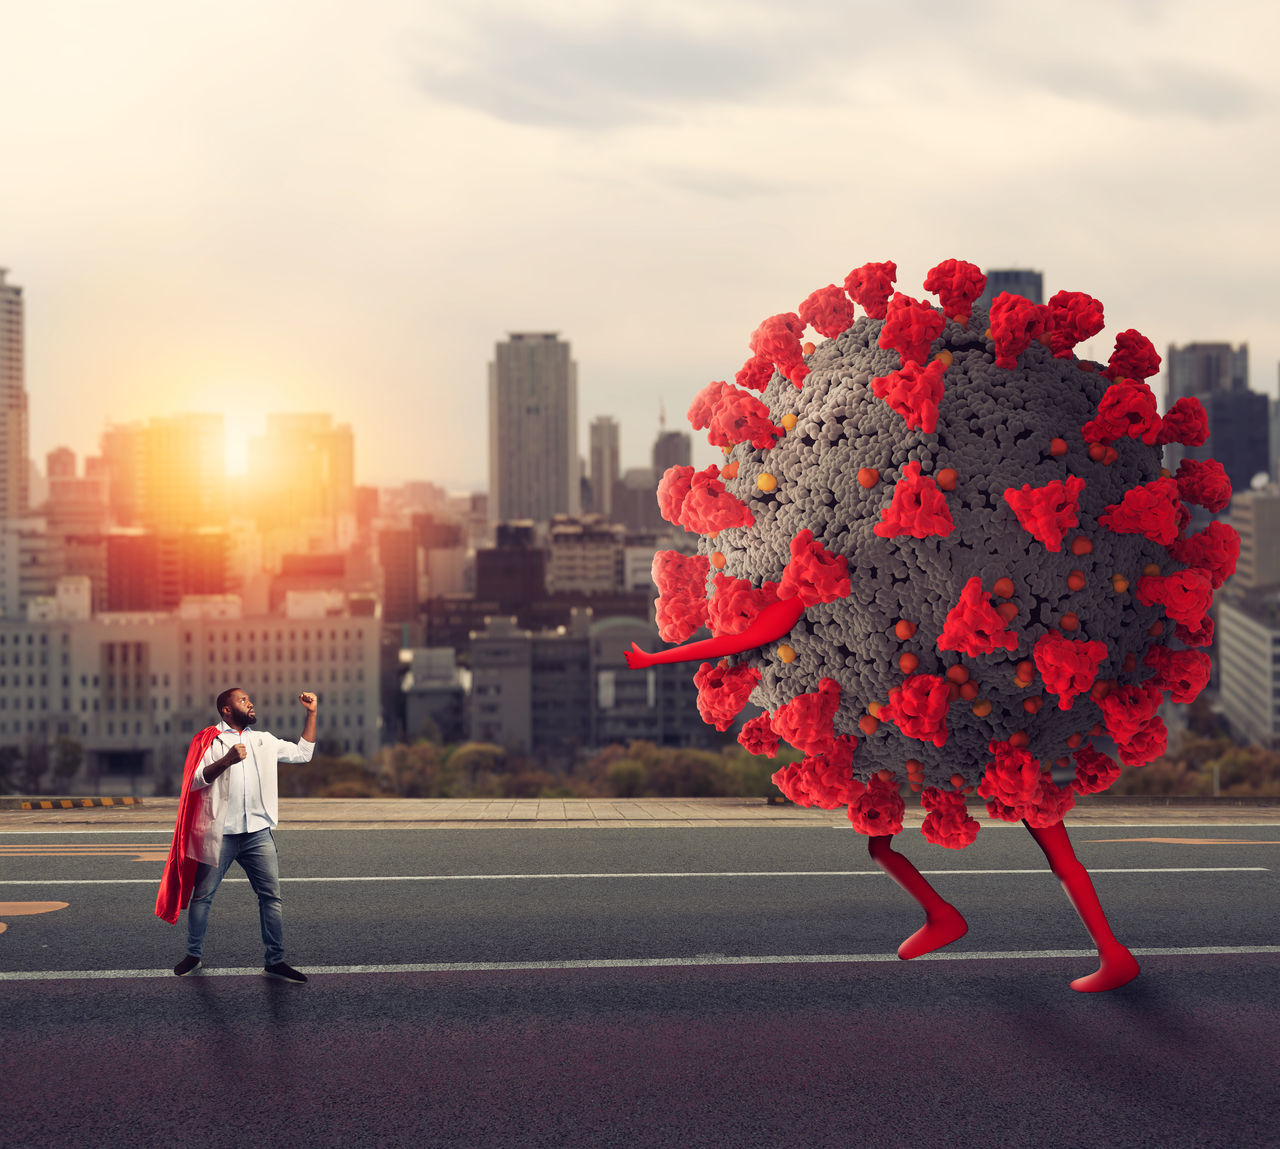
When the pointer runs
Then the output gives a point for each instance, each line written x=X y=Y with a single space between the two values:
x=604 y=464
x=671 y=449
x=168 y=474
x=533 y=429
x=1016 y=281
x=13 y=403
x=1200 y=367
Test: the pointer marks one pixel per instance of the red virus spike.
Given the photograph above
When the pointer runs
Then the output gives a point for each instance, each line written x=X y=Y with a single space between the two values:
x=1015 y=322
x=1127 y=409
x=919 y=708
x=1185 y=422
x=741 y=416
x=1150 y=510
x=1133 y=358
x=705 y=402
x=1127 y=709
x=1095 y=771
x=871 y=285
x=1047 y=512
x=957 y=285
x=879 y=810
x=681 y=606
x=828 y=311
x=735 y=604
x=947 y=823
x=1068 y=666
x=814 y=574
x=673 y=489
x=918 y=508
x=823 y=780
x=1073 y=317
x=778 y=340
x=914 y=392
x=774 y=621
x=756 y=373
x=1195 y=634
x=1204 y=482
x=709 y=508
x=1185 y=595
x=1146 y=745
x=1183 y=673
x=723 y=692
x=1214 y=550
x=910 y=327
x=805 y=721
x=758 y=737
x=973 y=626
x=1017 y=790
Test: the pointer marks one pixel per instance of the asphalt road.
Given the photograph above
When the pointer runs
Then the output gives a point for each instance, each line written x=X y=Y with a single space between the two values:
x=756 y=1003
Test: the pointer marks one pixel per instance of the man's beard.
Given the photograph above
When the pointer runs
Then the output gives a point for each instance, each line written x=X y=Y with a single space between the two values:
x=243 y=720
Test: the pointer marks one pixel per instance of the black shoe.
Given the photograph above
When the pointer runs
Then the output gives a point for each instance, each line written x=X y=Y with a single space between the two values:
x=186 y=965
x=286 y=972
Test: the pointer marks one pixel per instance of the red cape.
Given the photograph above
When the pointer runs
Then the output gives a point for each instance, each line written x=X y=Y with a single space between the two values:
x=179 y=879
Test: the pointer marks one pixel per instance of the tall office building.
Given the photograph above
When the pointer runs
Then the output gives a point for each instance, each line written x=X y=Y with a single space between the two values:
x=1198 y=368
x=533 y=429
x=13 y=403
x=1016 y=281
x=167 y=474
x=604 y=467
x=1239 y=420
x=1256 y=517
x=671 y=449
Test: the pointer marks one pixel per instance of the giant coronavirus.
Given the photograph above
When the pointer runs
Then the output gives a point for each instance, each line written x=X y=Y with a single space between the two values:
x=943 y=553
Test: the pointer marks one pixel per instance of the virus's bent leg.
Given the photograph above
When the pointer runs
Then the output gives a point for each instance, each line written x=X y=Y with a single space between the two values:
x=1118 y=965
x=771 y=624
x=943 y=923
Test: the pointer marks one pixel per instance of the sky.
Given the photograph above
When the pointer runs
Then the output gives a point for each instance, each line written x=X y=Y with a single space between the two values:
x=250 y=206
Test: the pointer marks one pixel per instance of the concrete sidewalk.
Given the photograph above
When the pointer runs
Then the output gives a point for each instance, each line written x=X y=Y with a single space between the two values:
x=607 y=813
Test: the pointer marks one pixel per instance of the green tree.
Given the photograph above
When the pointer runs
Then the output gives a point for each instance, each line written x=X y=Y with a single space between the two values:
x=33 y=766
x=10 y=757
x=67 y=756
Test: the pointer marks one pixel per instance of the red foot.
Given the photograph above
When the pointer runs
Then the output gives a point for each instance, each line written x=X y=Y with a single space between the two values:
x=942 y=928
x=1118 y=968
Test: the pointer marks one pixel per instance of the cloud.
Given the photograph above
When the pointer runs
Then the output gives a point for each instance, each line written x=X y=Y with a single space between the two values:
x=524 y=68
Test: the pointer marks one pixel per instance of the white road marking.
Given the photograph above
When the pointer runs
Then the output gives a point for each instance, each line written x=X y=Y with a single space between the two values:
x=1042 y=870
x=640 y=963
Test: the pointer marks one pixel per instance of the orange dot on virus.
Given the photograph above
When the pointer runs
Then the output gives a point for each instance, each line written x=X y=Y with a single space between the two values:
x=981 y=709
x=1155 y=629
x=1075 y=740
x=1165 y=473
x=1151 y=569
x=1007 y=611
x=1097 y=452
x=1110 y=457
x=1076 y=580
x=873 y=708
x=1095 y=731
x=1032 y=705
x=1027 y=670
x=786 y=652
x=945 y=357
x=868 y=725
x=904 y=629
x=1069 y=621
x=914 y=766
x=885 y=775
x=916 y=787
x=717 y=560
x=957 y=780
x=947 y=479
x=958 y=674
x=766 y=481
x=808 y=348
x=788 y=421
x=1019 y=738
x=969 y=690
x=1062 y=762
x=1130 y=663
x=1058 y=447
x=1119 y=583
x=868 y=477
x=1002 y=588
x=907 y=662
x=1080 y=545
x=1099 y=690
x=729 y=470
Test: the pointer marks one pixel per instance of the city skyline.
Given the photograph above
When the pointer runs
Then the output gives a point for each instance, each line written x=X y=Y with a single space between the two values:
x=235 y=209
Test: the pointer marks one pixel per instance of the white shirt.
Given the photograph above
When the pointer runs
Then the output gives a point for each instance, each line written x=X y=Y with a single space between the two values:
x=244 y=797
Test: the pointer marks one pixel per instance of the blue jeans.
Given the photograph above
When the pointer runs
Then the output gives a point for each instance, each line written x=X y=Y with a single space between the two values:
x=256 y=853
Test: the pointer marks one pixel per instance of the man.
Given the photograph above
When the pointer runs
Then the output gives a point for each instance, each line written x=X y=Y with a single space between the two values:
x=228 y=806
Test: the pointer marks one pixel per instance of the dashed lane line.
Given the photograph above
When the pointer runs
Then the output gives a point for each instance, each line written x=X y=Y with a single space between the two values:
x=697 y=960
x=1041 y=870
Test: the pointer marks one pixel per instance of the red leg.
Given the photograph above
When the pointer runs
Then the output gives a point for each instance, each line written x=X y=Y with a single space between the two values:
x=1118 y=965
x=943 y=923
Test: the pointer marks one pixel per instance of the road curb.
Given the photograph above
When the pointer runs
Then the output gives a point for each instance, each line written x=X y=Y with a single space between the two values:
x=65 y=803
